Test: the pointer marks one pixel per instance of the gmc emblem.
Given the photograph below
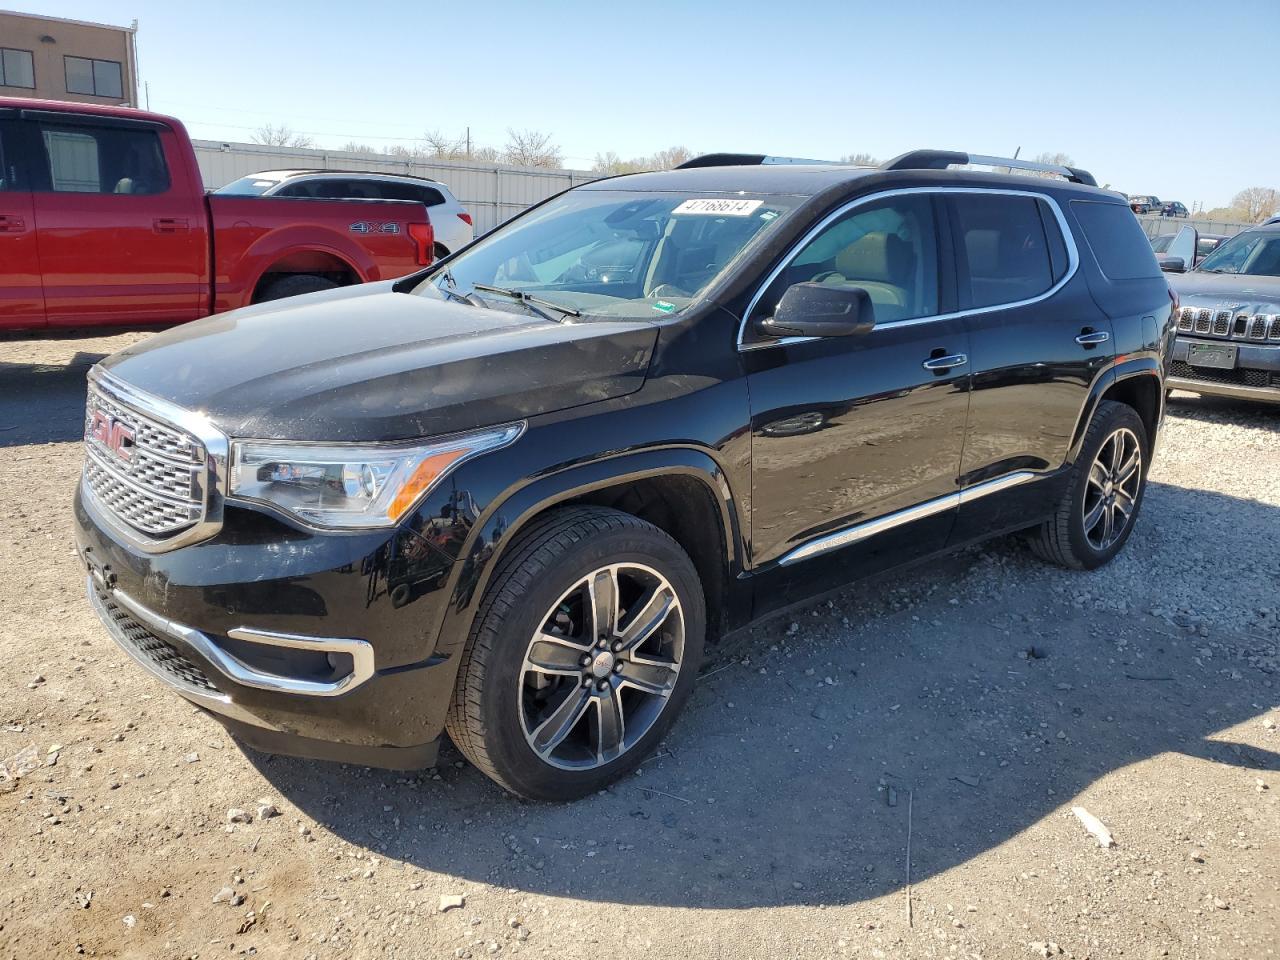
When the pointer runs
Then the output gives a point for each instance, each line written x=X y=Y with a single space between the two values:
x=112 y=434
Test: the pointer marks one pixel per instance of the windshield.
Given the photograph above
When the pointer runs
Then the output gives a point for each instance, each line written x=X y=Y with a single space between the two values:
x=611 y=253
x=254 y=185
x=1256 y=254
x=1161 y=244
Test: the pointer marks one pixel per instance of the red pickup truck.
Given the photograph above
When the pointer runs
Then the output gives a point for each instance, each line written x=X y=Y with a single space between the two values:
x=104 y=220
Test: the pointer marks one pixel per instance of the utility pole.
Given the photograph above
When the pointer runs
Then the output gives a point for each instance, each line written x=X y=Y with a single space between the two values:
x=468 y=143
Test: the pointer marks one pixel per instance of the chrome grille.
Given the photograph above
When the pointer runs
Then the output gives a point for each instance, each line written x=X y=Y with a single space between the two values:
x=156 y=487
x=1229 y=323
x=1275 y=326
x=1186 y=319
x=1202 y=321
x=1222 y=323
x=1258 y=327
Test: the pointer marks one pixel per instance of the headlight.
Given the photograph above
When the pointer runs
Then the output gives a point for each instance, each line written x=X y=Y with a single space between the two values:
x=355 y=486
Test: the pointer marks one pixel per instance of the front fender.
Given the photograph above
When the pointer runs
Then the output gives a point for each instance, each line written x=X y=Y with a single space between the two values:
x=500 y=526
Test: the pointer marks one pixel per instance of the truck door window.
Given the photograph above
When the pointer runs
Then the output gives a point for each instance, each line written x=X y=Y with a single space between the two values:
x=87 y=159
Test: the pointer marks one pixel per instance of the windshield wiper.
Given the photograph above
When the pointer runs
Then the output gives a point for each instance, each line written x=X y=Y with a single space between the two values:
x=450 y=289
x=529 y=301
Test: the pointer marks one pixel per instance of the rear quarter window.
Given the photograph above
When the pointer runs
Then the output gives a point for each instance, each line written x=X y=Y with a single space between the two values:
x=1116 y=239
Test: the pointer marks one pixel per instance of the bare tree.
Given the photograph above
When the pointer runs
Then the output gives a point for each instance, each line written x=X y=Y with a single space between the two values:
x=281 y=136
x=486 y=154
x=530 y=148
x=860 y=160
x=351 y=146
x=670 y=158
x=610 y=164
x=1257 y=203
x=440 y=146
x=1056 y=159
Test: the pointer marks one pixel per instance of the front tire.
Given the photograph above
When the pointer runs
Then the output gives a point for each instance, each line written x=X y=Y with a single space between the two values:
x=292 y=285
x=1097 y=512
x=584 y=649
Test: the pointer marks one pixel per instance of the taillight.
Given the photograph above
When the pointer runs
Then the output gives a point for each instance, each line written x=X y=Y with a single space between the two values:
x=465 y=218
x=424 y=241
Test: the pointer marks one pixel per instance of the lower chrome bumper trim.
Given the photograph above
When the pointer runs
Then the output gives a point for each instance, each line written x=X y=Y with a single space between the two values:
x=1264 y=394
x=231 y=667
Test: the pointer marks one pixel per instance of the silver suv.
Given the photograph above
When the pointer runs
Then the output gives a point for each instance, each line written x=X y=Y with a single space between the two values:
x=449 y=219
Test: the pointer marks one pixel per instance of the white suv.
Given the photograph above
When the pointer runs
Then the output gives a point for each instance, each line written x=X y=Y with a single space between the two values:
x=449 y=219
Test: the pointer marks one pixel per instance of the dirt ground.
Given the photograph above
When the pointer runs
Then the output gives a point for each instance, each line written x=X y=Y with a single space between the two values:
x=889 y=774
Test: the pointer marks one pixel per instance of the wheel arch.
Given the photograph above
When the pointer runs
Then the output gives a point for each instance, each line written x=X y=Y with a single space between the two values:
x=1137 y=383
x=683 y=492
x=317 y=262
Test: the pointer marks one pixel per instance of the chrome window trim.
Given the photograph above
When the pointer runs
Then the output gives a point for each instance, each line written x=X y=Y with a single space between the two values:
x=211 y=480
x=1073 y=260
x=861 y=531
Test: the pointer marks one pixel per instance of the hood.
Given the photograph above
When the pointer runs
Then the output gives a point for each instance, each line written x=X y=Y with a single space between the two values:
x=365 y=363
x=1229 y=291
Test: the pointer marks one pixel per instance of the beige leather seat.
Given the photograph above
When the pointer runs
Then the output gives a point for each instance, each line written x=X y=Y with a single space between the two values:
x=879 y=263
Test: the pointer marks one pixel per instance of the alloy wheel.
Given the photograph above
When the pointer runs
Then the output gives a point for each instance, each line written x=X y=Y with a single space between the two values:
x=601 y=666
x=1111 y=493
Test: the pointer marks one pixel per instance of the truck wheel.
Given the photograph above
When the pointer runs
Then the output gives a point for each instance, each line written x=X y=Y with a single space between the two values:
x=292 y=285
x=584 y=649
x=1097 y=512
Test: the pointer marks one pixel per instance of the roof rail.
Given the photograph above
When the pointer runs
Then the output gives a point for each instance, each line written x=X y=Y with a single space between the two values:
x=941 y=159
x=740 y=160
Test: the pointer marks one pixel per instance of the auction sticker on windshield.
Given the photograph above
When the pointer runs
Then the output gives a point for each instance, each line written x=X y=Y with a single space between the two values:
x=721 y=207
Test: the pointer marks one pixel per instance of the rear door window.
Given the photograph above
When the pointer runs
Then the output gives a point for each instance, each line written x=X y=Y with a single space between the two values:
x=1116 y=239
x=93 y=159
x=1003 y=249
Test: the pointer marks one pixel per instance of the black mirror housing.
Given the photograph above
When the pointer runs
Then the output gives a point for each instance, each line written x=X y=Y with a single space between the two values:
x=1173 y=265
x=820 y=310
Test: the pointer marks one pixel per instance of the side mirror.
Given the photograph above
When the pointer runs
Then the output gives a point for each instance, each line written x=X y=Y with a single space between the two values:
x=1173 y=265
x=1182 y=250
x=820 y=310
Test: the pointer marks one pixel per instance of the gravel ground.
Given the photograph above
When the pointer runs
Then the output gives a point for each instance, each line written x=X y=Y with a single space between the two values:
x=888 y=774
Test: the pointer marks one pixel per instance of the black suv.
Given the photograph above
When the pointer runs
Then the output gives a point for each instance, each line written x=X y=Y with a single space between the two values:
x=515 y=496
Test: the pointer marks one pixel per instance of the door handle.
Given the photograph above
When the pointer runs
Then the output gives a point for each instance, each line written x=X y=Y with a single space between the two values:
x=937 y=364
x=170 y=225
x=12 y=224
x=1091 y=338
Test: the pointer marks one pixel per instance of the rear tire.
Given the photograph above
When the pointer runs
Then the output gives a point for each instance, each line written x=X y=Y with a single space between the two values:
x=293 y=285
x=553 y=700
x=1099 y=508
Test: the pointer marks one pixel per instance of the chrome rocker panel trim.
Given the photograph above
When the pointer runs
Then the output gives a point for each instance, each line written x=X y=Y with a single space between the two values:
x=854 y=534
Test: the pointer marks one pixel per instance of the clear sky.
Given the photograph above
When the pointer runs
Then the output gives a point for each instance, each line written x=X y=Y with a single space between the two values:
x=1177 y=98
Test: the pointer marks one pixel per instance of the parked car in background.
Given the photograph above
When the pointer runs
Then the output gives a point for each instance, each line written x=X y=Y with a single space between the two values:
x=516 y=495
x=450 y=221
x=1172 y=208
x=1144 y=203
x=1228 y=340
x=1207 y=243
x=104 y=220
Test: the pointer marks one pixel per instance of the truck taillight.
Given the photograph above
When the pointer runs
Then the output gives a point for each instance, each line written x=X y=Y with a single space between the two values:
x=465 y=218
x=424 y=241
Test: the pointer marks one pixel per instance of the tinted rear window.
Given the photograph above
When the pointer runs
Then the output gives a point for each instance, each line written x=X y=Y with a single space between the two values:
x=1118 y=243
x=1003 y=243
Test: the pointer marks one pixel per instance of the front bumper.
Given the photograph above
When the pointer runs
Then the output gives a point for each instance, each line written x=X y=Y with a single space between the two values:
x=1256 y=375
x=245 y=630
